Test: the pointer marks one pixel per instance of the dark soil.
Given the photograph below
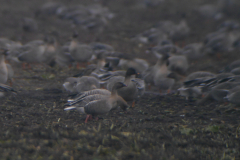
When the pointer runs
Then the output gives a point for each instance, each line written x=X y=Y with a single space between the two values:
x=35 y=126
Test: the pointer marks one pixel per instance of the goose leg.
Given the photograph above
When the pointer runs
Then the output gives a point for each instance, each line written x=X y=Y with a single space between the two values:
x=88 y=116
x=168 y=91
x=133 y=103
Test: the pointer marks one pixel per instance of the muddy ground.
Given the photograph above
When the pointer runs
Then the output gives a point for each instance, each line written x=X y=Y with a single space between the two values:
x=35 y=126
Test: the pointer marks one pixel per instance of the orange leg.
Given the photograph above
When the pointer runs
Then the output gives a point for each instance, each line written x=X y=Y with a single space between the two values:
x=168 y=91
x=88 y=117
x=133 y=103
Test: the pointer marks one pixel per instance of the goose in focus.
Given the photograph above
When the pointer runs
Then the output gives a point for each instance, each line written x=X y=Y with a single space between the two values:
x=100 y=104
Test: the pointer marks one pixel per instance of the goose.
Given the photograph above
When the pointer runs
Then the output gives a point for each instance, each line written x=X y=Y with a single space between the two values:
x=128 y=93
x=191 y=92
x=100 y=104
x=99 y=47
x=70 y=84
x=160 y=75
x=31 y=52
x=29 y=24
x=86 y=83
x=138 y=64
x=50 y=51
x=63 y=58
x=179 y=31
x=82 y=53
x=178 y=64
x=219 y=91
x=193 y=51
x=236 y=71
x=153 y=74
x=233 y=95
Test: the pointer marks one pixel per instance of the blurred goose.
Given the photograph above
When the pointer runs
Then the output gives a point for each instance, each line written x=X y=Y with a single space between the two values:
x=32 y=52
x=178 y=64
x=86 y=83
x=50 y=51
x=179 y=79
x=152 y=35
x=3 y=66
x=192 y=92
x=221 y=90
x=110 y=74
x=49 y=8
x=158 y=75
x=164 y=47
x=140 y=84
x=4 y=89
x=220 y=41
x=193 y=51
x=199 y=75
x=70 y=84
x=192 y=85
x=12 y=48
x=63 y=58
x=236 y=71
x=29 y=24
x=231 y=66
x=210 y=11
x=233 y=95
x=179 y=31
x=138 y=64
x=82 y=53
x=228 y=25
x=99 y=47
x=101 y=104
x=128 y=93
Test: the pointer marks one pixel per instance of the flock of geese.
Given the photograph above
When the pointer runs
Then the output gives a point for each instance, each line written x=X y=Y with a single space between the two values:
x=112 y=79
